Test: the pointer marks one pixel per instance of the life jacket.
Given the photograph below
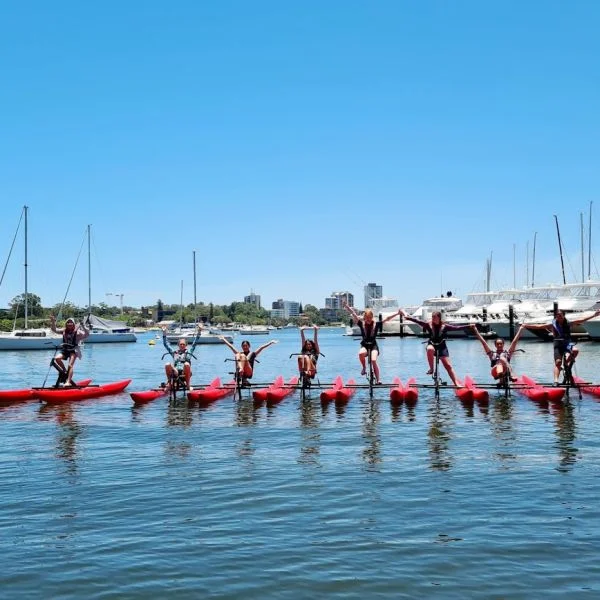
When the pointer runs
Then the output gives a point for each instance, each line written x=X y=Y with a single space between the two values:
x=437 y=334
x=181 y=357
x=495 y=356
x=561 y=334
x=70 y=337
x=369 y=333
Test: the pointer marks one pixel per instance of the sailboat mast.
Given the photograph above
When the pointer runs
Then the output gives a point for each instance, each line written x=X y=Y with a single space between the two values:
x=562 y=263
x=181 y=304
x=89 y=272
x=590 y=244
x=533 y=261
x=582 y=250
x=25 y=209
x=195 y=305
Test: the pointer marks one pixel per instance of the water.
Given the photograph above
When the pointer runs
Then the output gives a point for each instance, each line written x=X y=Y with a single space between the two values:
x=103 y=500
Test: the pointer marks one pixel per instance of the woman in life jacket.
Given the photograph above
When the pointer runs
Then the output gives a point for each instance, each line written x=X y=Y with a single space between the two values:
x=560 y=328
x=309 y=353
x=436 y=329
x=369 y=328
x=69 y=351
x=499 y=356
x=182 y=358
x=244 y=358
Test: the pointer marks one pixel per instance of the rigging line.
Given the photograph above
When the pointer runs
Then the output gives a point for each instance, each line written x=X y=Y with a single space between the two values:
x=12 y=246
x=72 y=275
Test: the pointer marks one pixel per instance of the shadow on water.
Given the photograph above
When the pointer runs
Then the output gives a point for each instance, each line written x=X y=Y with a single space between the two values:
x=311 y=437
x=68 y=433
x=438 y=436
x=371 y=418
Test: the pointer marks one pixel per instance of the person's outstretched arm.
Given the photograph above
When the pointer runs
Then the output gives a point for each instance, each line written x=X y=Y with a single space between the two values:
x=315 y=340
x=579 y=321
x=261 y=348
x=228 y=344
x=513 y=344
x=478 y=335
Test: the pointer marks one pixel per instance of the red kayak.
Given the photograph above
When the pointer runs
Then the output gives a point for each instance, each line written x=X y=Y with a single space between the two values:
x=539 y=393
x=261 y=395
x=478 y=394
x=329 y=394
x=28 y=393
x=404 y=393
x=345 y=393
x=212 y=392
x=148 y=395
x=277 y=395
x=68 y=394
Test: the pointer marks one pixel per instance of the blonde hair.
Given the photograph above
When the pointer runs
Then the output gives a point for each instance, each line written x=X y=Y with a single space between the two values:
x=368 y=312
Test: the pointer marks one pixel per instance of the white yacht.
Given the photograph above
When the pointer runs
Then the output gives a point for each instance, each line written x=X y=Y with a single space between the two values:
x=447 y=305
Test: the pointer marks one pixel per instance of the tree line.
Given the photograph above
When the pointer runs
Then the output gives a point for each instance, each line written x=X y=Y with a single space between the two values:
x=236 y=312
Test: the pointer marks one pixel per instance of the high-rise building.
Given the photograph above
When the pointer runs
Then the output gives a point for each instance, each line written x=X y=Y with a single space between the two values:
x=337 y=299
x=284 y=309
x=252 y=299
x=372 y=292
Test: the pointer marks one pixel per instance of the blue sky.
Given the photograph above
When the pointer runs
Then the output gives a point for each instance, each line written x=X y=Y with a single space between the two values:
x=297 y=147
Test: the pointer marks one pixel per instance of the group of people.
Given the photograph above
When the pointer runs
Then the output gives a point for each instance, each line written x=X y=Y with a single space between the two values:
x=565 y=350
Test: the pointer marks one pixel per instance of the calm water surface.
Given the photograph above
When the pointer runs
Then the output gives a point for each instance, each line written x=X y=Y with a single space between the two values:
x=103 y=500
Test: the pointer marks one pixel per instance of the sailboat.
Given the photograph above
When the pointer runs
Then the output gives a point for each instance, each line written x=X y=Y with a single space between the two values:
x=104 y=330
x=41 y=338
x=187 y=331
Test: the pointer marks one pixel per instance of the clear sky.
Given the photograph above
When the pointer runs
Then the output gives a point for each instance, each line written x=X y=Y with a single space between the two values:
x=298 y=147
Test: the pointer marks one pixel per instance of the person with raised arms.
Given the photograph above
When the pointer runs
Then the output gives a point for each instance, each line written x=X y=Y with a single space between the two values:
x=564 y=346
x=436 y=329
x=70 y=350
x=499 y=357
x=244 y=358
x=309 y=353
x=369 y=328
x=182 y=358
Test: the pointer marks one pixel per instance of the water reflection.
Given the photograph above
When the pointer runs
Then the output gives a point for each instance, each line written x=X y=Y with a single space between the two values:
x=438 y=436
x=68 y=433
x=502 y=428
x=565 y=435
x=179 y=414
x=246 y=413
x=311 y=437
x=371 y=419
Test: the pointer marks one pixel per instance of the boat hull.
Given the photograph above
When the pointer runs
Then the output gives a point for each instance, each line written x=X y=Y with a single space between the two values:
x=404 y=393
x=329 y=394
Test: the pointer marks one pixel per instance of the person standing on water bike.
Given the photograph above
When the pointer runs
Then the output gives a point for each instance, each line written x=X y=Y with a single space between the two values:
x=70 y=351
x=564 y=346
x=244 y=359
x=182 y=359
x=369 y=328
x=436 y=330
